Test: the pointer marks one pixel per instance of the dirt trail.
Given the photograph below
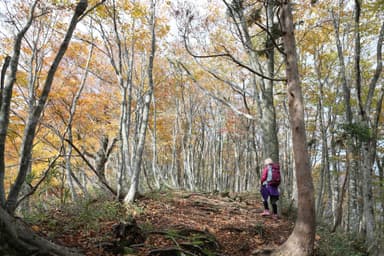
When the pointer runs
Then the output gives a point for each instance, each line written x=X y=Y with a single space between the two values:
x=178 y=223
x=235 y=222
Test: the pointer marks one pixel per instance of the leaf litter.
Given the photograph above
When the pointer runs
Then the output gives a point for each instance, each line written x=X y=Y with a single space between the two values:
x=182 y=223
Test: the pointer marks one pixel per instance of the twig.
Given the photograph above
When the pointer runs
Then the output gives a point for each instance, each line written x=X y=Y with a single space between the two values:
x=51 y=164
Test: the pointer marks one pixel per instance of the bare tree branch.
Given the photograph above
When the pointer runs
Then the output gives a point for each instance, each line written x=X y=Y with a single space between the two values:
x=92 y=168
x=231 y=57
x=207 y=92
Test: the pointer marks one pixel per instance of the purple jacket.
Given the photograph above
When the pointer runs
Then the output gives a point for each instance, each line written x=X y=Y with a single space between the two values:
x=267 y=190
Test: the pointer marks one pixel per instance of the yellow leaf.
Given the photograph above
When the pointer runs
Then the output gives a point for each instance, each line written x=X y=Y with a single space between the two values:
x=35 y=228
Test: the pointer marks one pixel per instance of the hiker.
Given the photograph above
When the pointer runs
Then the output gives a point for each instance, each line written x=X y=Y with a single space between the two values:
x=270 y=180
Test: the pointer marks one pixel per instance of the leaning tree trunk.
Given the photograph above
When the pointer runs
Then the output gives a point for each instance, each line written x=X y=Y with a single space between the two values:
x=18 y=239
x=35 y=115
x=71 y=178
x=6 y=96
x=301 y=241
x=14 y=234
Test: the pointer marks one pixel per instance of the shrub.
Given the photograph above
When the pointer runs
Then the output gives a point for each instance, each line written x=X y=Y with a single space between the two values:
x=338 y=243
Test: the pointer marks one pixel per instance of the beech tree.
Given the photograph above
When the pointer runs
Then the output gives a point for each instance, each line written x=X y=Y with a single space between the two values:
x=133 y=63
x=368 y=119
x=138 y=156
x=13 y=232
x=301 y=241
x=35 y=113
x=248 y=20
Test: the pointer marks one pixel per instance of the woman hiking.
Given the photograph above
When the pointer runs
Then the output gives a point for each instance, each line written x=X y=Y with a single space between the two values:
x=270 y=181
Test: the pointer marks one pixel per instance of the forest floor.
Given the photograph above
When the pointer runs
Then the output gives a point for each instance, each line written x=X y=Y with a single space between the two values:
x=181 y=223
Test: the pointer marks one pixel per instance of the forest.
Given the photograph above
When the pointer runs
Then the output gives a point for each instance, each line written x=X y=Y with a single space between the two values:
x=140 y=127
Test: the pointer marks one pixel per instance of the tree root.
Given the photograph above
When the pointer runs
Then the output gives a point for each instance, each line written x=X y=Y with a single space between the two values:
x=170 y=251
x=262 y=252
x=18 y=237
x=188 y=241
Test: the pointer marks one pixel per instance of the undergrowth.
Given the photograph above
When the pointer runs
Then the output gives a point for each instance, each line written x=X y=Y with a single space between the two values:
x=328 y=243
x=87 y=215
x=84 y=214
x=338 y=243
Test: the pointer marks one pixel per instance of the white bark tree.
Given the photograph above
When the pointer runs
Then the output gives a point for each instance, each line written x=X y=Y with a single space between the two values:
x=138 y=154
x=14 y=232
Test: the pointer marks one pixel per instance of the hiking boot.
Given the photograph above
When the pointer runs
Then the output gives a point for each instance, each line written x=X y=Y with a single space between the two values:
x=275 y=216
x=265 y=213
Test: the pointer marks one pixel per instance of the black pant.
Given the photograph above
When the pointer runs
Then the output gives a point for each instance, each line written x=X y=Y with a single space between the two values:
x=273 y=199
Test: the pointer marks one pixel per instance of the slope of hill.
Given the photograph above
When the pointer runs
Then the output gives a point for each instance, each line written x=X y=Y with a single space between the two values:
x=171 y=223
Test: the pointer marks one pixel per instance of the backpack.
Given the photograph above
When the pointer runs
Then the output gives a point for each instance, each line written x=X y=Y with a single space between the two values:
x=276 y=177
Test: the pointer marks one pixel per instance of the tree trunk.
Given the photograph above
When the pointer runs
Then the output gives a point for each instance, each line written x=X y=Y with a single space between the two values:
x=268 y=121
x=68 y=132
x=338 y=206
x=263 y=86
x=137 y=159
x=324 y=171
x=351 y=149
x=380 y=166
x=301 y=241
x=6 y=94
x=187 y=147
x=369 y=144
x=174 y=163
x=34 y=117
x=157 y=175
x=13 y=233
x=20 y=239
x=68 y=166
x=123 y=66
x=125 y=121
